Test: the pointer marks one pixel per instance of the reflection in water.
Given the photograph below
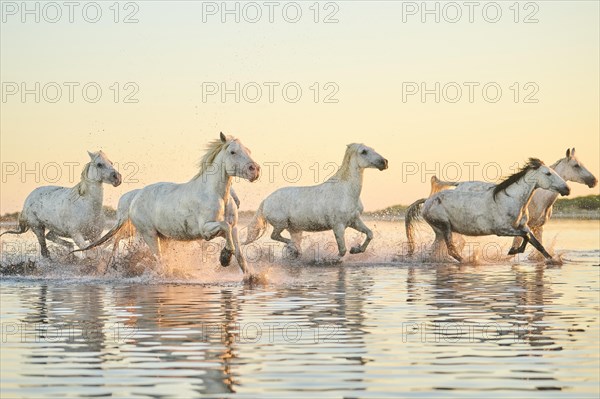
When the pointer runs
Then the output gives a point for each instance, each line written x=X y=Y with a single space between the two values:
x=344 y=330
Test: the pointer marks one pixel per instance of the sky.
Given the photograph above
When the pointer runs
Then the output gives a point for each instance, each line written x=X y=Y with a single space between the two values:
x=470 y=95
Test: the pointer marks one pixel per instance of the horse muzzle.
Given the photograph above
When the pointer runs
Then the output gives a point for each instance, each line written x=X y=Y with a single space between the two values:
x=591 y=183
x=116 y=179
x=253 y=172
x=383 y=165
x=566 y=190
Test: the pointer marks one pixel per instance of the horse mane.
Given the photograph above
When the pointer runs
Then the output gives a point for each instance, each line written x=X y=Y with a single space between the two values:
x=81 y=188
x=532 y=164
x=343 y=172
x=555 y=164
x=212 y=150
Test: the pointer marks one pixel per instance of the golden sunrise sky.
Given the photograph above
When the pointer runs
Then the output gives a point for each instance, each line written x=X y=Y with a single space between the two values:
x=373 y=53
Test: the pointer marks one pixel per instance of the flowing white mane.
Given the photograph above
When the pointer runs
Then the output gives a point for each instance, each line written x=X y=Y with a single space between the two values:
x=212 y=150
x=343 y=172
x=81 y=188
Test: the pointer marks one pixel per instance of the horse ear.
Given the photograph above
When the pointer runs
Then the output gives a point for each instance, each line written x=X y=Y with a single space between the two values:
x=573 y=152
x=223 y=138
x=568 y=153
x=92 y=156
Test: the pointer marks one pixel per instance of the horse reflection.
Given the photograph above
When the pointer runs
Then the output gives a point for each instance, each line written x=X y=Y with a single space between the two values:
x=191 y=318
x=514 y=302
x=63 y=322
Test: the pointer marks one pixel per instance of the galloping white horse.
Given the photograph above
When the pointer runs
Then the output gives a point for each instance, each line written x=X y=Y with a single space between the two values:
x=124 y=229
x=494 y=209
x=196 y=209
x=539 y=209
x=332 y=205
x=75 y=212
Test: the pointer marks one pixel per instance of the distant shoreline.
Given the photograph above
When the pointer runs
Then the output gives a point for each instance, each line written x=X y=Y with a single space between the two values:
x=246 y=216
x=578 y=208
x=579 y=215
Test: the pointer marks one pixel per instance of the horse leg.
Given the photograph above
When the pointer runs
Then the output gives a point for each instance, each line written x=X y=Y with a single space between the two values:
x=52 y=236
x=39 y=233
x=276 y=235
x=461 y=241
x=520 y=249
x=359 y=226
x=338 y=232
x=295 y=247
x=537 y=245
x=438 y=245
x=212 y=229
x=446 y=231
x=516 y=245
x=538 y=232
x=79 y=240
x=239 y=256
x=151 y=239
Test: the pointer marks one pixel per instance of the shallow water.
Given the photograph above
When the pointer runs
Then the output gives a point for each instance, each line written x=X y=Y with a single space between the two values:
x=370 y=327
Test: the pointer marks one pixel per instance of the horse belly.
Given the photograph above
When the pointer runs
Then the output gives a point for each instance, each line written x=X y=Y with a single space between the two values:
x=312 y=226
x=473 y=227
x=185 y=229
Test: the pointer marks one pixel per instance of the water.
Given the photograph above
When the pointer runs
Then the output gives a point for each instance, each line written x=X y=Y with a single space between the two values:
x=370 y=327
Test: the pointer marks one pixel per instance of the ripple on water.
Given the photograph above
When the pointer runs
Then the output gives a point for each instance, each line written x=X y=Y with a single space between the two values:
x=369 y=327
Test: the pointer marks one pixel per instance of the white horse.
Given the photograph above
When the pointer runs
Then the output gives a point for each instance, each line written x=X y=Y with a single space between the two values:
x=75 y=212
x=539 y=209
x=332 y=205
x=123 y=229
x=487 y=209
x=196 y=209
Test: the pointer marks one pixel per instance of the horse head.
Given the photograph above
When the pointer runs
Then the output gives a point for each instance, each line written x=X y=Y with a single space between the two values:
x=571 y=169
x=369 y=158
x=546 y=178
x=102 y=170
x=237 y=160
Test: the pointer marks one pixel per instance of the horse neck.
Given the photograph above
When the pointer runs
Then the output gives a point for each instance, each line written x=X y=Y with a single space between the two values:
x=353 y=177
x=547 y=197
x=218 y=181
x=92 y=190
x=522 y=190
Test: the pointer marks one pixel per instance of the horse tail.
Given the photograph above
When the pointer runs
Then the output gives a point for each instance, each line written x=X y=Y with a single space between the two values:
x=23 y=226
x=413 y=213
x=438 y=185
x=114 y=230
x=257 y=226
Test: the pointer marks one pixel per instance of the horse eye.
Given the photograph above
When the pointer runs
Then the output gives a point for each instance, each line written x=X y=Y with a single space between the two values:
x=363 y=152
x=99 y=165
x=577 y=166
x=232 y=152
x=548 y=174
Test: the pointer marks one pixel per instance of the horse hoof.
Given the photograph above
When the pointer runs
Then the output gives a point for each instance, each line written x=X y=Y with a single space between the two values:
x=225 y=257
x=355 y=250
x=291 y=253
x=513 y=251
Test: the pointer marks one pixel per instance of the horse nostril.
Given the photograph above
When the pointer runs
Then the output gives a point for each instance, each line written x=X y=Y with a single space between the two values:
x=251 y=168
